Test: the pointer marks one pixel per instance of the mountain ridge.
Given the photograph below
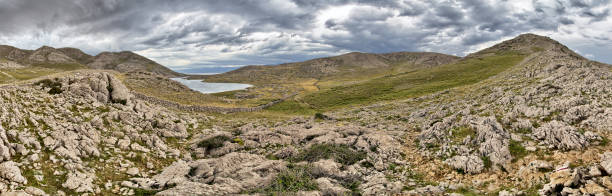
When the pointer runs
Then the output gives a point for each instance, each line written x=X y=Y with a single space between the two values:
x=125 y=61
x=332 y=66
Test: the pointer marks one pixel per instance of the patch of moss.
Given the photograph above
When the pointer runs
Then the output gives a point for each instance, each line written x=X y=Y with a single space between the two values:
x=238 y=141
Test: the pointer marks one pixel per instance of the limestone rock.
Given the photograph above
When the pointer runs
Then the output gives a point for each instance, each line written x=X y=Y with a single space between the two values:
x=494 y=140
x=561 y=136
x=12 y=173
x=606 y=162
x=328 y=188
x=79 y=182
x=35 y=191
x=469 y=164
x=119 y=93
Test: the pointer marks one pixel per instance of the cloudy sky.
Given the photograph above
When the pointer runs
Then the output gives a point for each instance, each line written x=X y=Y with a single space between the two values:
x=185 y=34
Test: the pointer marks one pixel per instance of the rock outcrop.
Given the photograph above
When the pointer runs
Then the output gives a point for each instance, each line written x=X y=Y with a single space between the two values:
x=72 y=136
x=466 y=164
x=560 y=135
x=103 y=87
x=580 y=180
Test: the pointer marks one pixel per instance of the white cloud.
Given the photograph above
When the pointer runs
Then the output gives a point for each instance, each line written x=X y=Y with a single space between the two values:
x=231 y=33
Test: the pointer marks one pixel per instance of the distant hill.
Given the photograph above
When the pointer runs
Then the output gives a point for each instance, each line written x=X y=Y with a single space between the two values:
x=349 y=65
x=72 y=58
x=465 y=71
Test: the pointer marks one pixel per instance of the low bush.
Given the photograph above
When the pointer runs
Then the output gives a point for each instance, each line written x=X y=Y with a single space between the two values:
x=486 y=161
x=294 y=179
x=517 y=150
x=320 y=116
x=213 y=142
x=54 y=86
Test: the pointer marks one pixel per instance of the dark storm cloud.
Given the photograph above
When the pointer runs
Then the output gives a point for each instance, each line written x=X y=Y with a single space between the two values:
x=209 y=32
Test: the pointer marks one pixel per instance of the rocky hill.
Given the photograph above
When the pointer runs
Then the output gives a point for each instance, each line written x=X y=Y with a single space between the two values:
x=540 y=125
x=72 y=58
x=332 y=67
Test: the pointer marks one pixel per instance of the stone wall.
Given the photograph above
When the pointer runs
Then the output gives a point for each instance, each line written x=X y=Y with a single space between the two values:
x=197 y=108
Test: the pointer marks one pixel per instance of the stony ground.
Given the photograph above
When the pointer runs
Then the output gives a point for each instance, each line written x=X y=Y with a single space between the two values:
x=541 y=127
x=82 y=133
x=520 y=130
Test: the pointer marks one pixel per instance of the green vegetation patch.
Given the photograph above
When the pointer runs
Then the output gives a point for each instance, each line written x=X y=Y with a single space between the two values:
x=54 y=85
x=486 y=161
x=524 y=130
x=465 y=191
x=213 y=142
x=460 y=133
x=294 y=179
x=411 y=84
x=61 y=66
x=340 y=153
x=291 y=107
x=11 y=75
x=517 y=150
x=144 y=192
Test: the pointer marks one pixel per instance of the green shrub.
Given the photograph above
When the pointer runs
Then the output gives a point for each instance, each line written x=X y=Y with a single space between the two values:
x=294 y=179
x=143 y=192
x=461 y=133
x=320 y=116
x=524 y=131
x=54 y=85
x=55 y=90
x=486 y=161
x=341 y=153
x=120 y=101
x=517 y=150
x=213 y=142
x=353 y=187
x=367 y=164
x=604 y=141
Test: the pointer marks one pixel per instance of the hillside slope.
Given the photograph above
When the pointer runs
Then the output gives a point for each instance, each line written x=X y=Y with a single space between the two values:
x=343 y=66
x=63 y=59
x=411 y=83
x=129 y=62
x=525 y=130
x=525 y=117
x=278 y=81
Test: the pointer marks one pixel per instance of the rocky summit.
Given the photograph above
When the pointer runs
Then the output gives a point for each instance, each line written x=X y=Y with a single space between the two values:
x=525 y=117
